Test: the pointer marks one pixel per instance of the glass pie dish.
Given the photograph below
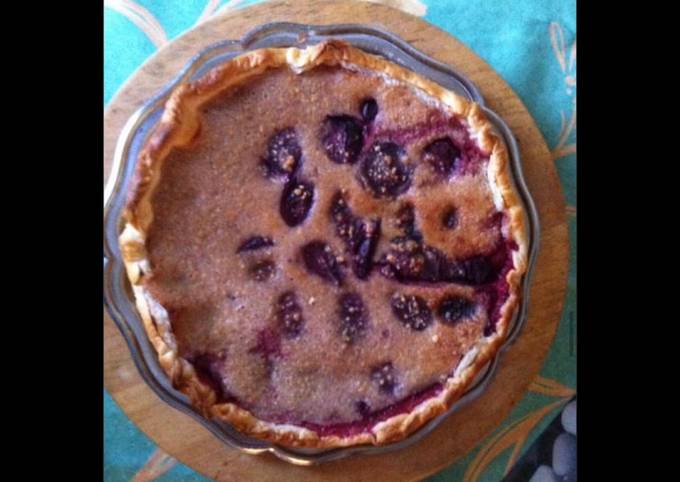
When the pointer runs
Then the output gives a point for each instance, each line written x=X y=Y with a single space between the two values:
x=118 y=296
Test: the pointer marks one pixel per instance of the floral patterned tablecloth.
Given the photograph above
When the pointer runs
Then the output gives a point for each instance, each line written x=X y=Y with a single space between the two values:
x=532 y=45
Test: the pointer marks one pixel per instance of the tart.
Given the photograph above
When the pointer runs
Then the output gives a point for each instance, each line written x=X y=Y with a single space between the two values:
x=325 y=248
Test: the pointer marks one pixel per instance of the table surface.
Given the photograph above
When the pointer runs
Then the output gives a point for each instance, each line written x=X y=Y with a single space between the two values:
x=532 y=46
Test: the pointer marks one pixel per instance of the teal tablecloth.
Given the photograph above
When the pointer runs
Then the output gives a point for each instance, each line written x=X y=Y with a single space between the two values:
x=532 y=45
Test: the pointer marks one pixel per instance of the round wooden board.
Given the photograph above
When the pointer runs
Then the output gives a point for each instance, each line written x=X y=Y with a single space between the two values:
x=192 y=444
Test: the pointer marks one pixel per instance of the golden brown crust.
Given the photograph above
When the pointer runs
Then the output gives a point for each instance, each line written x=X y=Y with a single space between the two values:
x=179 y=126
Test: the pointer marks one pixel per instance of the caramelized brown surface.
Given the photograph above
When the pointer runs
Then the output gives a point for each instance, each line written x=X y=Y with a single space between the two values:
x=213 y=196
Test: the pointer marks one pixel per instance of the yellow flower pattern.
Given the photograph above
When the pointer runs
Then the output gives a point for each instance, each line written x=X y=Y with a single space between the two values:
x=568 y=66
x=158 y=464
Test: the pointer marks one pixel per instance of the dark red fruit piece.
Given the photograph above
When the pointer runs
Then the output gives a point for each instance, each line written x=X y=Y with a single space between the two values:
x=342 y=217
x=442 y=155
x=353 y=317
x=369 y=109
x=410 y=261
x=289 y=314
x=362 y=259
x=255 y=242
x=320 y=260
x=454 y=308
x=283 y=154
x=296 y=201
x=363 y=408
x=263 y=270
x=406 y=221
x=383 y=375
x=412 y=311
x=360 y=236
x=474 y=271
x=479 y=270
x=384 y=170
x=342 y=137
x=450 y=218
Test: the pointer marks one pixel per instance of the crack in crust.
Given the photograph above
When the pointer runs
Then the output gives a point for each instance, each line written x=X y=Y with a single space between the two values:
x=180 y=125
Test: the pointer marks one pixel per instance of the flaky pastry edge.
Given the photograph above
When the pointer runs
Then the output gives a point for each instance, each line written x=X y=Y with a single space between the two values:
x=180 y=125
